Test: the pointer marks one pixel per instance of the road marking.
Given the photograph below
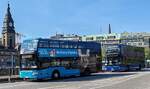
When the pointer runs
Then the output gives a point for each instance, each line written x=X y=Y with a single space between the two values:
x=118 y=81
x=98 y=83
x=54 y=87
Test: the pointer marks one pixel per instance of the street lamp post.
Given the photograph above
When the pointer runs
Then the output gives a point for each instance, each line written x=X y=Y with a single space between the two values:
x=11 y=68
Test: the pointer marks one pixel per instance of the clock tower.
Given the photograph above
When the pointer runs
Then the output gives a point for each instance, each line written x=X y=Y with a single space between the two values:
x=8 y=32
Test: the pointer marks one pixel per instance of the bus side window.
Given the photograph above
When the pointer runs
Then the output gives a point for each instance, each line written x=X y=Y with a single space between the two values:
x=64 y=44
x=54 y=44
x=55 y=63
x=45 y=65
x=43 y=44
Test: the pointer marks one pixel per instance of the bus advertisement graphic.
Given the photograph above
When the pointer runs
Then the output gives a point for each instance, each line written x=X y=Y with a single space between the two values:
x=52 y=53
x=48 y=52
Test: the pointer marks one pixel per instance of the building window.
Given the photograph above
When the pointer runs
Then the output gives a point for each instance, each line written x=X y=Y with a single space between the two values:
x=4 y=42
x=111 y=37
x=89 y=38
x=140 y=43
x=99 y=38
x=134 y=44
x=129 y=43
x=10 y=45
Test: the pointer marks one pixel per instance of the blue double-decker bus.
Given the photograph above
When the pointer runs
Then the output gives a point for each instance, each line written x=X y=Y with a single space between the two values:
x=47 y=58
x=119 y=57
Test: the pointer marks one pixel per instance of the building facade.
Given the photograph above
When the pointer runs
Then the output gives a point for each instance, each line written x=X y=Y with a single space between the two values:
x=66 y=37
x=9 y=56
x=108 y=38
x=112 y=38
x=141 y=39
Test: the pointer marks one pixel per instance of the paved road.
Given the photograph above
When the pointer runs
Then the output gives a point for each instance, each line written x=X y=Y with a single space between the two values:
x=123 y=80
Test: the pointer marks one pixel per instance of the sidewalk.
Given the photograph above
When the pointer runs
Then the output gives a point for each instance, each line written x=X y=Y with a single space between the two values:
x=13 y=76
x=146 y=69
x=8 y=78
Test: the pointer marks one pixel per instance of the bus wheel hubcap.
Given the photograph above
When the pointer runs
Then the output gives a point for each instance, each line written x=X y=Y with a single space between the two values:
x=56 y=75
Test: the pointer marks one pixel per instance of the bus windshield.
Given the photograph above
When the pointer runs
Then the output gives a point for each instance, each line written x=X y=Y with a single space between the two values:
x=28 y=64
x=28 y=46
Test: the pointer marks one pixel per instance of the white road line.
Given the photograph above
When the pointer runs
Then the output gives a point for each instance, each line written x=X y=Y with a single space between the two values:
x=119 y=81
x=54 y=87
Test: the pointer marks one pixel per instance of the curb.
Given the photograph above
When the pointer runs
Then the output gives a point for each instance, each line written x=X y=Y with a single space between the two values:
x=6 y=79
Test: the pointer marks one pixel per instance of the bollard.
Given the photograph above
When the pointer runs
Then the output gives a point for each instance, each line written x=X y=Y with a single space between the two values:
x=9 y=77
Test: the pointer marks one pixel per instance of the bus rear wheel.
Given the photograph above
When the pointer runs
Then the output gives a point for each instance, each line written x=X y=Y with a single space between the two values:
x=55 y=75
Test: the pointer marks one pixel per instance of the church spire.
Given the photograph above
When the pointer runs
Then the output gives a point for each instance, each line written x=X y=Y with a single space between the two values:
x=8 y=32
x=8 y=8
x=109 y=29
x=8 y=21
x=8 y=17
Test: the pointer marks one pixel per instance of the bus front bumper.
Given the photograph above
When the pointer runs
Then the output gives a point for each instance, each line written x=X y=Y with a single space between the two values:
x=29 y=74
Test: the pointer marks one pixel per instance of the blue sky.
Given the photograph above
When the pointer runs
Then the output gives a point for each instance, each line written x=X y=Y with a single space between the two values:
x=43 y=18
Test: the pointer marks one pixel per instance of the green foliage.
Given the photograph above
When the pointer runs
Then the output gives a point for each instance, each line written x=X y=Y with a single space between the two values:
x=147 y=53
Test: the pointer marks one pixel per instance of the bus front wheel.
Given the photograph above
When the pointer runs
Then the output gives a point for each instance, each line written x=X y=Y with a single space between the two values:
x=55 y=75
